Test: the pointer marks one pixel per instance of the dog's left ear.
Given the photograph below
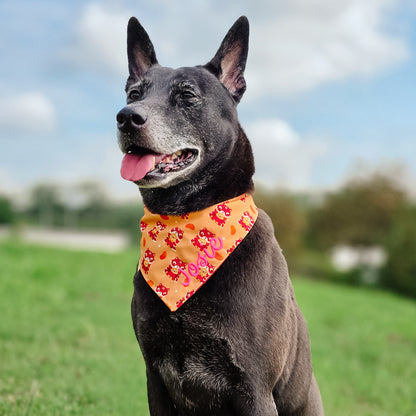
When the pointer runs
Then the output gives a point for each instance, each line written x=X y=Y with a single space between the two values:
x=140 y=51
x=229 y=62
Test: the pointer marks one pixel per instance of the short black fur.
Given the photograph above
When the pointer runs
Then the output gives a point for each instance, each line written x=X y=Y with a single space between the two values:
x=240 y=345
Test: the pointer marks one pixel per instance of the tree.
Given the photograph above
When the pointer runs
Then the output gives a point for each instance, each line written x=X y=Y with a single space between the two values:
x=7 y=215
x=45 y=205
x=361 y=213
x=399 y=272
x=288 y=221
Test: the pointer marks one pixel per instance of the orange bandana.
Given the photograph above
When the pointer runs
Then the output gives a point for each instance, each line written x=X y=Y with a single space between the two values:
x=180 y=253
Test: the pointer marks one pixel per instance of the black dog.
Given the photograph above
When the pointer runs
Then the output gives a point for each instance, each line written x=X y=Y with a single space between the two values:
x=239 y=345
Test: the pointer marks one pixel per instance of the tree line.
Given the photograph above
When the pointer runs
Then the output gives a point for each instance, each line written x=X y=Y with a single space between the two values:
x=85 y=206
x=374 y=210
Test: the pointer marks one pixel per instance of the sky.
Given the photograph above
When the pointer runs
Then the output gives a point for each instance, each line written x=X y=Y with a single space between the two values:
x=331 y=85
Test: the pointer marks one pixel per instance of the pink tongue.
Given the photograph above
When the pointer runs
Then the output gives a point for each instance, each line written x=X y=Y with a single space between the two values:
x=135 y=167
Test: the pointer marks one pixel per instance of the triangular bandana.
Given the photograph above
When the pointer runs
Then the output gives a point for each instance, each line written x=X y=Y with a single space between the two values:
x=180 y=253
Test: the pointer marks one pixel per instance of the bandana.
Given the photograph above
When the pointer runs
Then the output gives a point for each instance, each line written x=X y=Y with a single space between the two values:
x=180 y=253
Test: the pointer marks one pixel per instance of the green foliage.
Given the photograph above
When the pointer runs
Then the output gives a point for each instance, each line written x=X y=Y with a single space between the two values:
x=7 y=215
x=359 y=214
x=317 y=265
x=45 y=208
x=366 y=211
x=67 y=345
x=400 y=271
x=85 y=206
x=288 y=220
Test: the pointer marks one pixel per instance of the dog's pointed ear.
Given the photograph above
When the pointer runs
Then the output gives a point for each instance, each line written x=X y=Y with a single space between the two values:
x=140 y=52
x=229 y=62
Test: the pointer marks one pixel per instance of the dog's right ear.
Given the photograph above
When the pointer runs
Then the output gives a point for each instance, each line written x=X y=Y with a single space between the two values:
x=140 y=52
x=229 y=62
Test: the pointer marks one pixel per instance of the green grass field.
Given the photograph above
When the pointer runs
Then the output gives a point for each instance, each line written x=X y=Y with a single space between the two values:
x=67 y=346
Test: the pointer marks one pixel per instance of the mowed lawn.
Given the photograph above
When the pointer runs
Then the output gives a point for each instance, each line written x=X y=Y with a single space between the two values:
x=67 y=345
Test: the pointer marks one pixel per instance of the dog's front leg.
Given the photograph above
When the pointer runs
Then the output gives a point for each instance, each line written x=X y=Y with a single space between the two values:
x=160 y=403
x=267 y=408
x=259 y=406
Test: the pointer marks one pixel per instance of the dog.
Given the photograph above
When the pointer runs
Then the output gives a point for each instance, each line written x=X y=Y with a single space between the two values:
x=237 y=344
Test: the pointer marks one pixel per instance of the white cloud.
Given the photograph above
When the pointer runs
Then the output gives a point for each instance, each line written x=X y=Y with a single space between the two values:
x=100 y=39
x=295 y=46
x=28 y=112
x=318 y=41
x=282 y=156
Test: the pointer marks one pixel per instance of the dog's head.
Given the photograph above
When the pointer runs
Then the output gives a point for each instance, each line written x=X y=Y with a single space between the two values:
x=179 y=124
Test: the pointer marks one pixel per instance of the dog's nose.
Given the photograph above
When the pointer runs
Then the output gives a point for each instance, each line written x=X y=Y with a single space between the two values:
x=129 y=118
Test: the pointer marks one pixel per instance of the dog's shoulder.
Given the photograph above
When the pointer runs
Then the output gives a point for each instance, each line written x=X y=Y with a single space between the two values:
x=264 y=233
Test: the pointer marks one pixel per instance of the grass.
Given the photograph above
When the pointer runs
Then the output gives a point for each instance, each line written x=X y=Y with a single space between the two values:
x=67 y=346
x=363 y=348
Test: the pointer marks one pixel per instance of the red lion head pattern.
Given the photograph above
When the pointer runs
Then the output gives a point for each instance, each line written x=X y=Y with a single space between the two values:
x=246 y=221
x=234 y=246
x=148 y=259
x=174 y=268
x=220 y=214
x=203 y=238
x=205 y=272
x=174 y=237
x=161 y=290
x=153 y=233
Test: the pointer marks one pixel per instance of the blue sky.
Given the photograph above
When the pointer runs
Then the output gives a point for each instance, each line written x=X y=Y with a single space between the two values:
x=331 y=85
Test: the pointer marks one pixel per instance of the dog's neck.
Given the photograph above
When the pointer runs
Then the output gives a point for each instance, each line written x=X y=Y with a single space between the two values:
x=215 y=184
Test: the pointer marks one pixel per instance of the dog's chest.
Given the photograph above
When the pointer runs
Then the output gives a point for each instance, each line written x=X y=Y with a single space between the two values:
x=197 y=367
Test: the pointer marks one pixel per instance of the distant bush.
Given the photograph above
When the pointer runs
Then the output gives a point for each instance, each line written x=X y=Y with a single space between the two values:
x=399 y=272
x=288 y=221
x=319 y=265
x=359 y=214
x=7 y=215
x=83 y=206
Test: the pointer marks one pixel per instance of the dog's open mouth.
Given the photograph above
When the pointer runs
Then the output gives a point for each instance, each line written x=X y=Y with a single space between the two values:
x=139 y=162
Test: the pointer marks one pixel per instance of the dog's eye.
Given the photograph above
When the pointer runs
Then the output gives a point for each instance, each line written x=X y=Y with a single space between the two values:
x=187 y=95
x=187 y=98
x=134 y=95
